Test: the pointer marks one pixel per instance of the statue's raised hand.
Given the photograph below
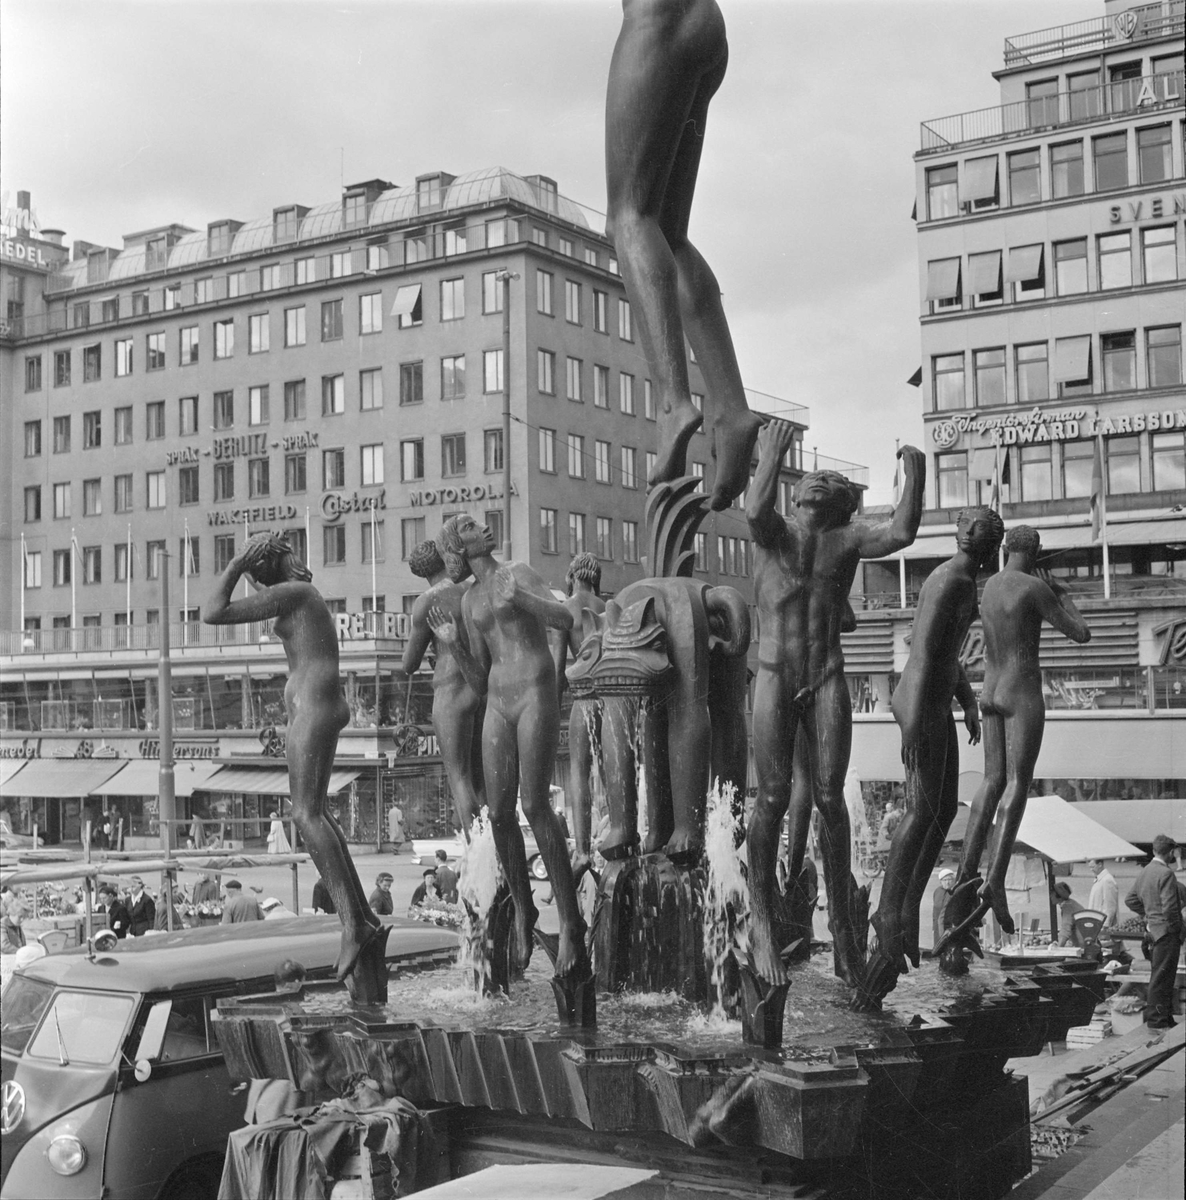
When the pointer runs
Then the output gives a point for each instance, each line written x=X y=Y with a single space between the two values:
x=443 y=627
x=506 y=586
x=775 y=437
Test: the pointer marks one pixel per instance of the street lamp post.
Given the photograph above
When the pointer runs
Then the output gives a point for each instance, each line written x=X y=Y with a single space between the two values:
x=506 y=276
x=166 y=783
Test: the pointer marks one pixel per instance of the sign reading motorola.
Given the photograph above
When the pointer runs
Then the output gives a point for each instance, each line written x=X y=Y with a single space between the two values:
x=335 y=505
x=459 y=495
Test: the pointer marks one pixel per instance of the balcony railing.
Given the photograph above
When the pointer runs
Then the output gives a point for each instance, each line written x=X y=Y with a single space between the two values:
x=1148 y=22
x=825 y=462
x=1146 y=94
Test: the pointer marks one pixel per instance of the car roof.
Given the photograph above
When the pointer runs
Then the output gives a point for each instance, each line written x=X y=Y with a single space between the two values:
x=200 y=957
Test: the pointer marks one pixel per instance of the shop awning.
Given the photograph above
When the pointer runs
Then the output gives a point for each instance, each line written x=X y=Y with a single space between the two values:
x=140 y=777
x=984 y=273
x=8 y=768
x=1025 y=264
x=980 y=179
x=1059 y=832
x=269 y=781
x=943 y=279
x=1139 y=820
x=47 y=778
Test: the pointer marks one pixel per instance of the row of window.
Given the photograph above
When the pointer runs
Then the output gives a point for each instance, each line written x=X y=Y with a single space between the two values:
x=1117 y=365
x=1070 y=269
x=964 y=477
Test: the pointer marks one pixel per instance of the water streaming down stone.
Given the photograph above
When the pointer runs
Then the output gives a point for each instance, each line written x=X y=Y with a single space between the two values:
x=726 y=903
x=478 y=882
x=637 y=741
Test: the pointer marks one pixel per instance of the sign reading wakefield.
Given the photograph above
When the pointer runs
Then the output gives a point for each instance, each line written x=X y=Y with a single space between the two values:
x=259 y=513
x=1064 y=425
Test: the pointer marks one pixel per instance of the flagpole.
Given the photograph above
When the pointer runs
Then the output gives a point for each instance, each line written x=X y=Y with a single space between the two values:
x=1001 y=546
x=308 y=544
x=374 y=576
x=24 y=583
x=1104 y=519
x=128 y=588
x=185 y=589
x=73 y=587
x=897 y=500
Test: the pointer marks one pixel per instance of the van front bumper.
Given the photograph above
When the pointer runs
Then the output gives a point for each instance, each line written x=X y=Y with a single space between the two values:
x=30 y=1177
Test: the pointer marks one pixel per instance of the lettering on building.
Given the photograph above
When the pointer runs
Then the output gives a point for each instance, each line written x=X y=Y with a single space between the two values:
x=26 y=748
x=335 y=505
x=299 y=441
x=372 y=625
x=1023 y=429
x=427 y=497
x=255 y=515
x=242 y=445
x=188 y=455
x=1150 y=209
x=151 y=748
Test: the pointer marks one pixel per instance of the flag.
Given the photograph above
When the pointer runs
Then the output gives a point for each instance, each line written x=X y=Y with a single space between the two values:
x=1000 y=478
x=1099 y=504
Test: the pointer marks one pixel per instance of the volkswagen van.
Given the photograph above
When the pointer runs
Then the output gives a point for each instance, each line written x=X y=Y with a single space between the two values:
x=113 y=1081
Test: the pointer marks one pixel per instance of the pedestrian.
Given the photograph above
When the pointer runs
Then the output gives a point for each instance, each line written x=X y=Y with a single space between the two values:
x=239 y=908
x=446 y=878
x=105 y=832
x=12 y=934
x=277 y=839
x=889 y=823
x=939 y=902
x=395 y=826
x=381 y=903
x=323 y=902
x=426 y=892
x=206 y=890
x=142 y=911
x=119 y=919
x=1067 y=908
x=162 y=911
x=197 y=831
x=1105 y=892
x=1154 y=896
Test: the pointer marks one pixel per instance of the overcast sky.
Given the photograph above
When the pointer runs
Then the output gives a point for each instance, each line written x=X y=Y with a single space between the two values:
x=119 y=116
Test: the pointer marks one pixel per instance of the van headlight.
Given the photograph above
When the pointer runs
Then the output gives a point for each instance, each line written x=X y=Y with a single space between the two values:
x=66 y=1154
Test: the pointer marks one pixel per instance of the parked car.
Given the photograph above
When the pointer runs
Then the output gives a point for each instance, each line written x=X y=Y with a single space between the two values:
x=113 y=1081
x=424 y=850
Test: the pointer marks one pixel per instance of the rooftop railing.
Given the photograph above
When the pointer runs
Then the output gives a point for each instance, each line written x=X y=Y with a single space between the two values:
x=1146 y=22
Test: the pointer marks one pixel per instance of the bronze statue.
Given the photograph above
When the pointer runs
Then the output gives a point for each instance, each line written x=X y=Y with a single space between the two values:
x=930 y=746
x=457 y=708
x=507 y=612
x=669 y=60
x=1013 y=607
x=317 y=712
x=803 y=571
x=584 y=721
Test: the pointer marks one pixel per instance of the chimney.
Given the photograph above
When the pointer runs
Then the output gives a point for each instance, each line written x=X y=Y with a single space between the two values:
x=56 y=237
x=22 y=201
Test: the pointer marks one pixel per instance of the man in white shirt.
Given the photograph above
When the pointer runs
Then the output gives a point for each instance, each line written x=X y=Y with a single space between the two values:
x=1105 y=892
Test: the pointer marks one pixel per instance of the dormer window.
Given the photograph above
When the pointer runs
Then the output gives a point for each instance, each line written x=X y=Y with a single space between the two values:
x=286 y=223
x=354 y=209
x=428 y=193
x=218 y=238
x=156 y=255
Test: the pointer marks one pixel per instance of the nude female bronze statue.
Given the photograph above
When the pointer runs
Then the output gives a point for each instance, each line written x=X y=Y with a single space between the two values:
x=584 y=721
x=317 y=712
x=507 y=613
x=669 y=60
x=930 y=747
x=457 y=709
x=1015 y=603
x=803 y=570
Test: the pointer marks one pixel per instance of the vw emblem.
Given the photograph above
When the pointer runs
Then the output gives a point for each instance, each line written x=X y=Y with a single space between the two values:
x=944 y=434
x=14 y=1106
x=1125 y=24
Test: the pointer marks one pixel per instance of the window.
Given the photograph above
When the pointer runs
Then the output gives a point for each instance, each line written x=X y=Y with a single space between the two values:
x=188 y=486
x=306 y=270
x=408 y=306
x=411 y=459
x=626 y=393
x=331 y=320
x=33 y=373
x=270 y=278
x=411 y=383
x=33 y=568
x=372 y=541
x=988 y=367
x=1115 y=260
x=224 y=551
x=492 y=292
x=572 y=302
x=452 y=455
x=204 y=290
x=452 y=377
x=984 y=278
x=601 y=467
x=543 y=294
x=590 y=256
x=948 y=373
x=32 y=439
x=1124 y=465
x=576 y=533
x=493 y=519
x=33 y=503
x=576 y=456
x=724 y=558
x=61 y=568
x=333 y=544
x=1037 y=476
x=572 y=379
x=189 y=563
x=370 y=313
x=539 y=236
x=603 y=546
x=187 y=416
x=224 y=339
x=1025 y=177
x=1154 y=154
x=625 y=321
x=630 y=541
x=1070 y=267
x=154 y=420
x=1042 y=96
x=296 y=476
x=294 y=400
x=980 y=187
x=952 y=473
x=1072 y=366
x=1169 y=461
x=333 y=469
x=648 y=400
x=339 y=264
x=377 y=257
x=371 y=464
x=81 y=315
x=1027 y=272
x=1110 y=159
x=546 y=372
x=1033 y=375
x=492 y=451
x=1158 y=256
x=942 y=192
x=547 y=450
x=155 y=489
x=1119 y=354
x=120 y=572
x=452 y=299
x=698 y=472
x=601 y=387
x=1163 y=351
x=92 y=430
x=411 y=534
x=370 y=389
x=1084 y=95
x=600 y=304
x=92 y=498
x=172 y=296
x=1066 y=169
x=497 y=233
x=189 y=345
x=294 y=326
x=224 y=481
x=61 y=368
x=258 y=334
x=257 y=405
x=629 y=467
x=123 y=493
x=333 y=395
x=492 y=371
x=565 y=245
x=259 y=477
x=651 y=459
x=92 y=363
x=62 y=435
x=154 y=352
x=943 y=283
x=123 y=426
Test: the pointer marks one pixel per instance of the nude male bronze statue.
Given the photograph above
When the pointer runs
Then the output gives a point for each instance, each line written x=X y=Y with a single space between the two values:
x=669 y=60
x=803 y=570
x=457 y=709
x=317 y=712
x=930 y=747
x=507 y=613
x=1015 y=603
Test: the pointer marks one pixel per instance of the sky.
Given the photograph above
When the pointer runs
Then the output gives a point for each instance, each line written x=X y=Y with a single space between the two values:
x=119 y=116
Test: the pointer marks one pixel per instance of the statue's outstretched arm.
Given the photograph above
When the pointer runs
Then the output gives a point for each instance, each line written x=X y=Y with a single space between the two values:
x=474 y=666
x=1059 y=610
x=265 y=604
x=888 y=537
x=774 y=440
x=419 y=639
x=522 y=587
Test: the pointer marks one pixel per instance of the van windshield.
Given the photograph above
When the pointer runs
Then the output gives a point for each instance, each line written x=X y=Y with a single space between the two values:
x=24 y=1002
x=82 y=1027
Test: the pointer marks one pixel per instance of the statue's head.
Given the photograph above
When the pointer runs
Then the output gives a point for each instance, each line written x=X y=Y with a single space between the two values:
x=829 y=491
x=1023 y=541
x=425 y=561
x=978 y=532
x=463 y=539
x=269 y=560
x=584 y=568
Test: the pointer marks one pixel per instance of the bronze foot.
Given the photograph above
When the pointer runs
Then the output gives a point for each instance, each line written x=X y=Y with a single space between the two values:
x=762 y=1008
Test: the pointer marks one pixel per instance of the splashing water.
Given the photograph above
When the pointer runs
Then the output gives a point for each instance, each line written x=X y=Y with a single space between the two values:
x=637 y=742
x=726 y=897
x=479 y=875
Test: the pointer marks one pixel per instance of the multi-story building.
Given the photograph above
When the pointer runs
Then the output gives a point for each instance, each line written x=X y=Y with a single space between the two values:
x=336 y=372
x=1052 y=275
